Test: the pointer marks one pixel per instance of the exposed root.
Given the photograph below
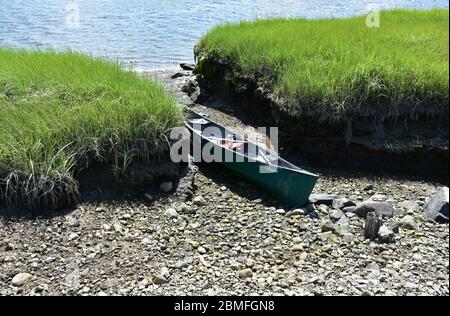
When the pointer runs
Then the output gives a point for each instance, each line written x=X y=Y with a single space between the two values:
x=51 y=192
x=30 y=191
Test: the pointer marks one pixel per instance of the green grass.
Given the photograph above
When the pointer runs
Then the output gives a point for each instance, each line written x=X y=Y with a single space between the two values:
x=334 y=68
x=62 y=112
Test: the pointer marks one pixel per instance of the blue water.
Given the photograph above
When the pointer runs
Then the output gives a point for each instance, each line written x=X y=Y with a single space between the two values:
x=155 y=33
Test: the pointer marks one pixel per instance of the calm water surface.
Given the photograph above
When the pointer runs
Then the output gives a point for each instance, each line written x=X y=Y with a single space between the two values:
x=154 y=33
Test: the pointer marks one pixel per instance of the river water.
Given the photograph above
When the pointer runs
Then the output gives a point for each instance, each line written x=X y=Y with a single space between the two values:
x=155 y=33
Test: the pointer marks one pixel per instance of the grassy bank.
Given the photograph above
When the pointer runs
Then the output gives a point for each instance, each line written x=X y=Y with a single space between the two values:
x=330 y=69
x=62 y=112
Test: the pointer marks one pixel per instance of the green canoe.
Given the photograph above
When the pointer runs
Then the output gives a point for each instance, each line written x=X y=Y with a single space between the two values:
x=259 y=165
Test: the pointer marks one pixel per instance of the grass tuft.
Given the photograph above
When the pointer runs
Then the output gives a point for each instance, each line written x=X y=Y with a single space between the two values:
x=62 y=112
x=331 y=69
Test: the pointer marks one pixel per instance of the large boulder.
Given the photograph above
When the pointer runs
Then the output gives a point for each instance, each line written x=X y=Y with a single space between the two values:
x=437 y=207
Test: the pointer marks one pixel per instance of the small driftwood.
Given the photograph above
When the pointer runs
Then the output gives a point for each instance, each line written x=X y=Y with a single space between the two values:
x=372 y=227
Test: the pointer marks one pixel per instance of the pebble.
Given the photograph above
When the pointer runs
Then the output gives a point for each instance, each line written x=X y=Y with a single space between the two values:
x=409 y=223
x=159 y=279
x=199 y=201
x=385 y=234
x=328 y=227
x=166 y=187
x=21 y=279
x=335 y=215
x=246 y=273
x=73 y=236
x=171 y=213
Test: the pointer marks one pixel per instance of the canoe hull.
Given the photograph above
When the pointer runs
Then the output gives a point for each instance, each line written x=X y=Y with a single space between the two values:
x=290 y=186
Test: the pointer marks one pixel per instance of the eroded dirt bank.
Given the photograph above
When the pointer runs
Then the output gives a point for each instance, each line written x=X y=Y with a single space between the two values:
x=228 y=237
x=371 y=139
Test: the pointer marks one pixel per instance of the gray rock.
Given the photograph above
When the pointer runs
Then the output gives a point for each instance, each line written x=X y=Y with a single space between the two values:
x=166 y=187
x=412 y=206
x=21 y=279
x=342 y=203
x=343 y=221
x=199 y=201
x=350 y=209
x=171 y=213
x=328 y=227
x=385 y=234
x=341 y=230
x=187 y=66
x=178 y=75
x=408 y=223
x=437 y=207
x=382 y=209
x=378 y=198
x=349 y=237
x=246 y=273
x=335 y=215
x=159 y=279
x=325 y=199
x=298 y=212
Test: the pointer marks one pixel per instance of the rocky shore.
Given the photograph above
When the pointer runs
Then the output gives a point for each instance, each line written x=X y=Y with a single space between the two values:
x=221 y=235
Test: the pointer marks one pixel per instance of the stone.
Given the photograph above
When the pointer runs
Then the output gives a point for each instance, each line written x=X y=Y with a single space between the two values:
x=280 y=211
x=408 y=223
x=378 y=198
x=342 y=203
x=171 y=213
x=335 y=215
x=166 y=187
x=412 y=206
x=178 y=75
x=21 y=279
x=325 y=199
x=382 y=209
x=297 y=248
x=298 y=212
x=436 y=208
x=385 y=234
x=72 y=221
x=372 y=226
x=341 y=230
x=246 y=273
x=159 y=279
x=199 y=201
x=343 y=221
x=73 y=236
x=302 y=228
x=328 y=227
x=349 y=237
x=350 y=209
x=187 y=66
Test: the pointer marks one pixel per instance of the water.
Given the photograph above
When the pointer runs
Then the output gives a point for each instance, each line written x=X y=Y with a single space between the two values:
x=152 y=33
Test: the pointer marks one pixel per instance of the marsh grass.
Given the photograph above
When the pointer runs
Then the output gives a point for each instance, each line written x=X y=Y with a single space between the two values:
x=62 y=112
x=335 y=68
